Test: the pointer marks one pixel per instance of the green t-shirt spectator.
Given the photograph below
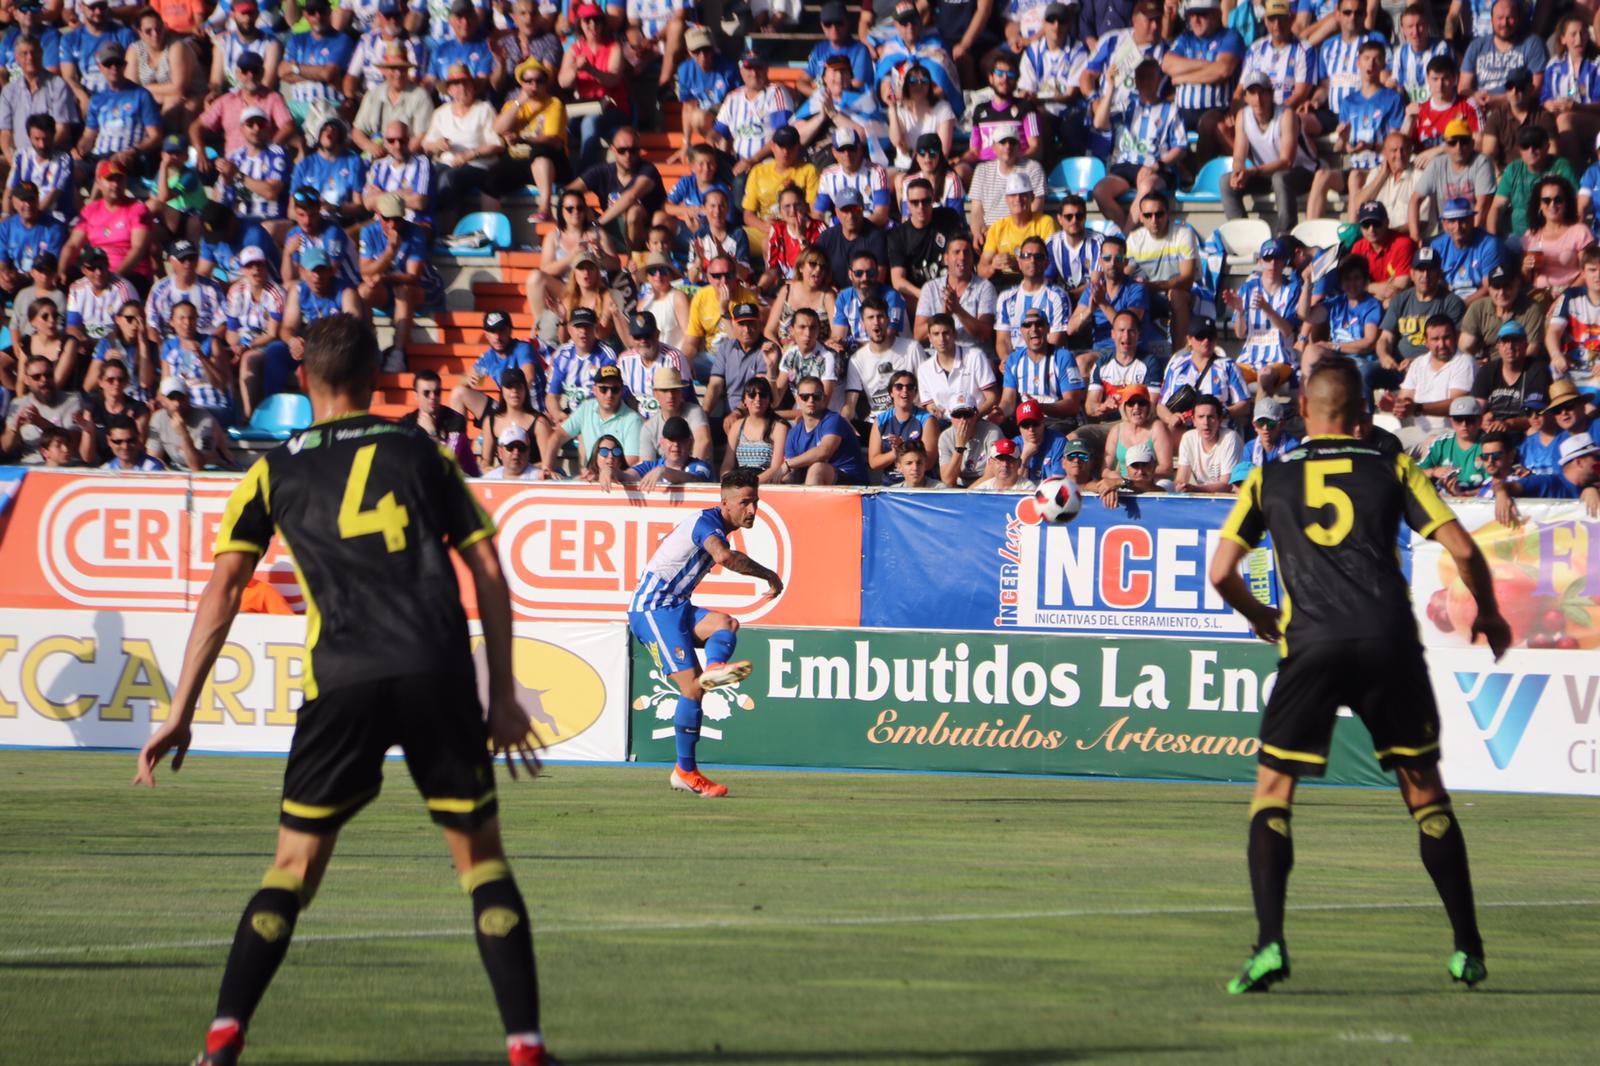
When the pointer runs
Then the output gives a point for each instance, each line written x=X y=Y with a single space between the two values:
x=1465 y=461
x=588 y=425
x=1517 y=183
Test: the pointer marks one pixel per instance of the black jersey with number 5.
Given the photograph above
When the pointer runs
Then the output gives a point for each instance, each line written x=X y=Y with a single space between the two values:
x=1333 y=507
x=369 y=510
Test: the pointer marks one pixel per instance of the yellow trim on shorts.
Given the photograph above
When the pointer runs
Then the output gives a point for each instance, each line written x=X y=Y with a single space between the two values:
x=1407 y=751
x=484 y=873
x=308 y=810
x=1267 y=803
x=1431 y=809
x=461 y=806
x=1294 y=756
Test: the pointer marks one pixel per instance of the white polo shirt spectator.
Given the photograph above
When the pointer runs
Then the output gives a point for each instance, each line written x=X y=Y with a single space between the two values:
x=961 y=385
x=1429 y=382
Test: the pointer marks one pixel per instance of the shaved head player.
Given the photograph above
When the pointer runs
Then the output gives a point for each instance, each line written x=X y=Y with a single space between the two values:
x=371 y=508
x=671 y=627
x=1349 y=638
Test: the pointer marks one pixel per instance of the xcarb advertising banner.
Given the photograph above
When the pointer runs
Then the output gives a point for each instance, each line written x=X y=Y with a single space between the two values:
x=103 y=679
x=984 y=561
x=1023 y=703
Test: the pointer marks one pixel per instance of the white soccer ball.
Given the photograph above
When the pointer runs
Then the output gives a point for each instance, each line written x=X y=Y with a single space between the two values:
x=1058 y=501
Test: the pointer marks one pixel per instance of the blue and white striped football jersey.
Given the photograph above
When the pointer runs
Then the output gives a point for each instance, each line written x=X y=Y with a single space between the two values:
x=679 y=563
x=270 y=164
x=1073 y=265
x=1411 y=68
x=1014 y=304
x=1291 y=65
x=749 y=122
x=93 y=312
x=206 y=295
x=572 y=372
x=1336 y=65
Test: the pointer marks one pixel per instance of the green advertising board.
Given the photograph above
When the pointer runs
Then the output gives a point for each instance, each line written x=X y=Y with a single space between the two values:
x=1012 y=703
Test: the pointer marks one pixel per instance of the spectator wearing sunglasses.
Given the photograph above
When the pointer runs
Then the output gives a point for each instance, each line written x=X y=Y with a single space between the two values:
x=1050 y=74
x=1467 y=254
x=1006 y=235
x=837 y=40
x=999 y=114
x=991 y=184
x=1515 y=207
x=852 y=170
x=1041 y=374
x=852 y=236
x=1271 y=441
x=965 y=447
x=918 y=114
x=1033 y=292
x=916 y=247
x=1111 y=289
x=674 y=464
x=703 y=81
x=602 y=415
x=909 y=42
x=712 y=305
x=515 y=451
x=124 y=439
x=43 y=406
x=1457 y=172
x=821 y=447
x=1166 y=256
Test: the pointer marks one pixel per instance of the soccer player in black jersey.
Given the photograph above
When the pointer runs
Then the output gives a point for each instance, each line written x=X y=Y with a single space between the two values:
x=371 y=510
x=1333 y=508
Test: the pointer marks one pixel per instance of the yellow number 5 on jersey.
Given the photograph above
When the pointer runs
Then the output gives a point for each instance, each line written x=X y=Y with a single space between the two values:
x=1320 y=494
x=388 y=517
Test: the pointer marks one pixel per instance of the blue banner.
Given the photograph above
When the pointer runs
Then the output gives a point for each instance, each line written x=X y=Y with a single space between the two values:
x=981 y=561
x=10 y=484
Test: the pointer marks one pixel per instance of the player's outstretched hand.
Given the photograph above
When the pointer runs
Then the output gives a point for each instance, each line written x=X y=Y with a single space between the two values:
x=1495 y=630
x=174 y=736
x=511 y=732
x=774 y=588
x=1264 y=620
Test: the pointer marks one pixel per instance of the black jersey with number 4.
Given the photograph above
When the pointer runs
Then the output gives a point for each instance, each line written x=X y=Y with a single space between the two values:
x=1333 y=507
x=369 y=510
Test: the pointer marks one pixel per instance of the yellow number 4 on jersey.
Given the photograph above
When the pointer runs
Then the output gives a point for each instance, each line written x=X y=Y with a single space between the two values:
x=388 y=517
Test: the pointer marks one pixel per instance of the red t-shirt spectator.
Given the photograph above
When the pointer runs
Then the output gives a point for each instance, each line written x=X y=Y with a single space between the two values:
x=1392 y=260
x=1431 y=120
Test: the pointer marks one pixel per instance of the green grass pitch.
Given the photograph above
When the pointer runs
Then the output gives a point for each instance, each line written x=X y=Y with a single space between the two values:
x=810 y=918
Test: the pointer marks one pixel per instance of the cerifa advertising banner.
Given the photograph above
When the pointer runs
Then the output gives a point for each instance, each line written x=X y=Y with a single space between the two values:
x=570 y=552
x=1018 y=703
x=986 y=562
x=102 y=679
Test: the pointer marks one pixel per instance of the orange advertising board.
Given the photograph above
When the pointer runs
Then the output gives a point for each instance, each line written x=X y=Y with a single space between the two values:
x=570 y=552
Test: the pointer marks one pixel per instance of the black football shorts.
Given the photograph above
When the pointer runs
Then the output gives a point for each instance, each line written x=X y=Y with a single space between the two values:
x=336 y=759
x=1385 y=684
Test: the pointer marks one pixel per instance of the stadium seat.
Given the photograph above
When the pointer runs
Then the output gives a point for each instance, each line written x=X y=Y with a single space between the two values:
x=1078 y=175
x=1204 y=190
x=279 y=417
x=1242 y=238
x=1318 y=232
x=492 y=224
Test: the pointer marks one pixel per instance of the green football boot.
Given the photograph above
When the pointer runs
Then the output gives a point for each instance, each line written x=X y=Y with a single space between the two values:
x=1468 y=969
x=1265 y=968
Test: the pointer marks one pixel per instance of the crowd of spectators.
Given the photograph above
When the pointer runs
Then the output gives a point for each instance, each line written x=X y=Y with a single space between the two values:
x=856 y=273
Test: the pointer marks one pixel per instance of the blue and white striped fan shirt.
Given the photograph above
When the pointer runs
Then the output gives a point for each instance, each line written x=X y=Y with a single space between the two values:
x=270 y=164
x=1015 y=303
x=1291 y=65
x=1411 y=68
x=206 y=295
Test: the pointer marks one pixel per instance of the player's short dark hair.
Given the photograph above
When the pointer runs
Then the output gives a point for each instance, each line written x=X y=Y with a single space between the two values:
x=1072 y=199
x=1439 y=320
x=741 y=477
x=1031 y=240
x=341 y=352
x=919 y=183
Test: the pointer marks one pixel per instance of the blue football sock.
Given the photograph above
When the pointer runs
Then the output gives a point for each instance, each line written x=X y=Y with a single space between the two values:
x=686 y=730
x=719 y=646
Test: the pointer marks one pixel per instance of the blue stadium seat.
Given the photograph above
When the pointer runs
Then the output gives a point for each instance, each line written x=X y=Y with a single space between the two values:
x=492 y=224
x=1077 y=174
x=279 y=417
x=1204 y=190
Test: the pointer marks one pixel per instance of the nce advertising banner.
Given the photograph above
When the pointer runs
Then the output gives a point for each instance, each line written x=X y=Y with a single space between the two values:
x=1016 y=703
x=984 y=561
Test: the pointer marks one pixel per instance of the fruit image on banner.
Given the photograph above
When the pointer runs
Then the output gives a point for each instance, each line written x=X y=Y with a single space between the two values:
x=1546 y=578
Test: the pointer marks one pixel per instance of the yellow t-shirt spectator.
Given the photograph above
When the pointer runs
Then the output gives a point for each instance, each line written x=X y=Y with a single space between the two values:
x=547 y=121
x=1006 y=236
x=705 y=312
x=766 y=182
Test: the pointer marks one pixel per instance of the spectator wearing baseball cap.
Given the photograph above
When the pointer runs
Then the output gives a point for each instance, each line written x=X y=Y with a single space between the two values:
x=25 y=232
x=1272 y=440
x=225 y=114
x=505 y=352
x=1201 y=368
x=850 y=236
x=1506 y=383
x=1040 y=447
x=40 y=284
x=574 y=364
x=1005 y=236
x=674 y=465
x=1265 y=122
x=1002 y=470
x=397 y=274
x=1509 y=297
x=603 y=414
x=1138 y=426
x=184 y=436
x=991 y=184
x=838 y=39
x=184 y=284
x=750 y=115
x=1452 y=461
x=1458 y=171
x=80 y=48
x=703 y=80
x=1467 y=255
x=515 y=451
x=713 y=303
x=852 y=169
x=743 y=354
x=1578 y=479
x=94 y=298
x=644 y=358
x=849 y=108
x=1388 y=252
x=787 y=228
x=121 y=121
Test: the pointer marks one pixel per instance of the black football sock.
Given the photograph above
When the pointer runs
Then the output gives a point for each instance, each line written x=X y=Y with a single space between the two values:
x=1444 y=856
x=1271 y=855
x=505 y=943
x=259 y=945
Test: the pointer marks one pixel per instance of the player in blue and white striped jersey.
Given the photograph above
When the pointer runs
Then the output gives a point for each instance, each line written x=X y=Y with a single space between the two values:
x=1042 y=372
x=1410 y=63
x=670 y=626
x=185 y=285
x=1204 y=62
x=1282 y=57
x=1148 y=140
x=122 y=118
x=747 y=118
x=256 y=172
x=1111 y=68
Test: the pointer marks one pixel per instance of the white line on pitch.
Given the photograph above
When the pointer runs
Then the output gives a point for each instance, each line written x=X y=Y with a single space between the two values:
x=15 y=954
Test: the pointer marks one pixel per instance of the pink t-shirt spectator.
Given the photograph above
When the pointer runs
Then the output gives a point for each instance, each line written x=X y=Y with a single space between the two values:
x=112 y=228
x=1558 y=266
x=224 y=112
